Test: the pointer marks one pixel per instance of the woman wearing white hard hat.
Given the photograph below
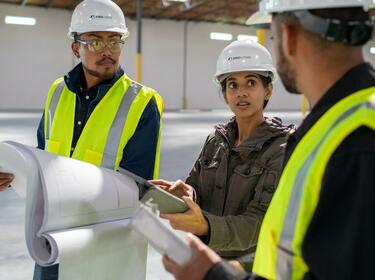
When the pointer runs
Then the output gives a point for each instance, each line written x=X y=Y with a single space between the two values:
x=232 y=182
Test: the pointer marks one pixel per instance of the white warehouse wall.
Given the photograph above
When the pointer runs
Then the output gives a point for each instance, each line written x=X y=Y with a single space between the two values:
x=33 y=57
x=162 y=54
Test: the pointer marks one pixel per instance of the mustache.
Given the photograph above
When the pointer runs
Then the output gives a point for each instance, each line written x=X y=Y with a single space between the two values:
x=105 y=60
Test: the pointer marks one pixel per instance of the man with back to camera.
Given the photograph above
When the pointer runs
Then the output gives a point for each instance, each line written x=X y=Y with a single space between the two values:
x=96 y=113
x=320 y=223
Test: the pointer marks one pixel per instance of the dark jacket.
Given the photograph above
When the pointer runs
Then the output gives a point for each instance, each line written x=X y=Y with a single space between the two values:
x=339 y=243
x=234 y=185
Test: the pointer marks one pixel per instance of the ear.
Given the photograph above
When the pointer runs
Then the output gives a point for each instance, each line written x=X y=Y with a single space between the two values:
x=289 y=40
x=75 y=49
x=225 y=97
x=269 y=89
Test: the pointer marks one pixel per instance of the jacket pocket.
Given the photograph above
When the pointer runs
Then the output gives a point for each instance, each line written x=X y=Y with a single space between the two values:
x=248 y=171
x=268 y=188
x=93 y=157
x=207 y=179
x=53 y=146
x=243 y=183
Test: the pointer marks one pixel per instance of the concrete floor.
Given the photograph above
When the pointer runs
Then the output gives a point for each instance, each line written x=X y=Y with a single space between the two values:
x=183 y=136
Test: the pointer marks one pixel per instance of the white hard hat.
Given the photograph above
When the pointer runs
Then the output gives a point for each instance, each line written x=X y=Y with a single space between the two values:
x=244 y=55
x=267 y=7
x=98 y=15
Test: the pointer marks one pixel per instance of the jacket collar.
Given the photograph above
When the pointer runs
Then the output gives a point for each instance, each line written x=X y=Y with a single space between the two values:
x=269 y=128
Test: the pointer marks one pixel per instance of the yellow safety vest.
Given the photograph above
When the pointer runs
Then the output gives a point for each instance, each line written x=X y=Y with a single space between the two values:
x=279 y=249
x=109 y=127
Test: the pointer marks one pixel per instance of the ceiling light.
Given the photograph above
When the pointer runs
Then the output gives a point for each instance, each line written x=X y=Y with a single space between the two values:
x=221 y=36
x=247 y=37
x=20 y=20
x=372 y=50
x=168 y=2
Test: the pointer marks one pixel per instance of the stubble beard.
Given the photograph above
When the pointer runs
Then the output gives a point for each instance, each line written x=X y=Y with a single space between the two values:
x=105 y=75
x=286 y=73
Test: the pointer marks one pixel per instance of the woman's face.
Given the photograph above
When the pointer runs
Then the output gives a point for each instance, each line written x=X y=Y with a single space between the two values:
x=245 y=94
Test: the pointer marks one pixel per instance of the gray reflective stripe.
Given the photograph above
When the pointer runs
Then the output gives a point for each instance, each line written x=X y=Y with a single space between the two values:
x=114 y=137
x=284 y=256
x=52 y=107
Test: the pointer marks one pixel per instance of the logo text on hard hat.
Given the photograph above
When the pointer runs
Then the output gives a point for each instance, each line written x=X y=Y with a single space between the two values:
x=99 y=16
x=239 y=57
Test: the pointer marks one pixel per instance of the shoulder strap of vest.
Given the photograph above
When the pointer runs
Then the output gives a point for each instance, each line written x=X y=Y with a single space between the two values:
x=52 y=107
x=114 y=137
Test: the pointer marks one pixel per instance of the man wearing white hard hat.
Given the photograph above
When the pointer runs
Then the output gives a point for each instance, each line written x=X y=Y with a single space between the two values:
x=320 y=223
x=95 y=113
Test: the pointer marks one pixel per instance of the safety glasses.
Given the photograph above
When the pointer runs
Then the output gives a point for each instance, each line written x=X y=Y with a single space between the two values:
x=96 y=45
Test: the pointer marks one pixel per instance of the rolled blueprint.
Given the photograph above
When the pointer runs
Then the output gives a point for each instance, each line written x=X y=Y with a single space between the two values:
x=76 y=208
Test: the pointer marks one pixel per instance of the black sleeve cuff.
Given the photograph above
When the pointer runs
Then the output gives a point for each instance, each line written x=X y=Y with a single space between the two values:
x=225 y=271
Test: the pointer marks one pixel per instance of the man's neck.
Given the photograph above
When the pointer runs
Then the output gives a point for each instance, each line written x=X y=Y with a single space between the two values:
x=91 y=81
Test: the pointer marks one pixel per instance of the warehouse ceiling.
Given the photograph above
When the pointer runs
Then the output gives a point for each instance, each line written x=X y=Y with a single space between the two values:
x=224 y=11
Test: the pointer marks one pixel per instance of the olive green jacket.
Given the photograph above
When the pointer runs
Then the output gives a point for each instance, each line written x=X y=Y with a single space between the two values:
x=234 y=185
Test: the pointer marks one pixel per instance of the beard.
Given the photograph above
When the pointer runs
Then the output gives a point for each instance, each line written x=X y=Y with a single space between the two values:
x=286 y=73
x=102 y=75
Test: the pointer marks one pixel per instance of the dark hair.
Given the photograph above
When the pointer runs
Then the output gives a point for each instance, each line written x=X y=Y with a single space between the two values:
x=76 y=37
x=265 y=82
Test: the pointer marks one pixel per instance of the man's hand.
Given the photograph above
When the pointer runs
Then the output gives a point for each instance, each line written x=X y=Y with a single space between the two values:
x=201 y=261
x=191 y=221
x=178 y=188
x=236 y=264
x=5 y=180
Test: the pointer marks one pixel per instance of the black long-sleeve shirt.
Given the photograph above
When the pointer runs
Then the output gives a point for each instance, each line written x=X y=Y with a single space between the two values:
x=339 y=243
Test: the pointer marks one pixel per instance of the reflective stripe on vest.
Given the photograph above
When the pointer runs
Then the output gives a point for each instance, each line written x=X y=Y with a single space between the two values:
x=114 y=137
x=279 y=249
x=52 y=107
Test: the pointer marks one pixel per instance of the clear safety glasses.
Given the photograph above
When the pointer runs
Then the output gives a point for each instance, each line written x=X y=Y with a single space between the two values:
x=96 y=45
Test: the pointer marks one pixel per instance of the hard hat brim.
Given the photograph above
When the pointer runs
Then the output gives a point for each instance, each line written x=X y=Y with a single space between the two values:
x=109 y=29
x=262 y=72
x=124 y=32
x=259 y=18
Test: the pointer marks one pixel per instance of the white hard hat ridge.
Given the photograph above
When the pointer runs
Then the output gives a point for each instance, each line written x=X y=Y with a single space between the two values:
x=98 y=15
x=244 y=55
x=267 y=7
